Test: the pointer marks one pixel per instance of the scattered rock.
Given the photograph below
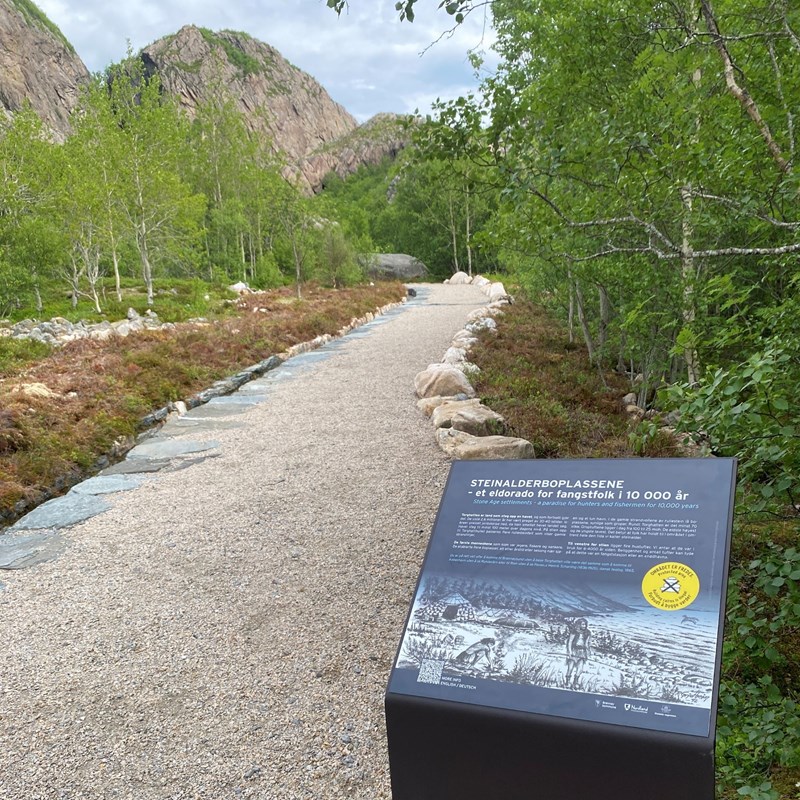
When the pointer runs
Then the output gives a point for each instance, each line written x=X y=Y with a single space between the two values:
x=459 y=279
x=634 y=412
x=34 y=390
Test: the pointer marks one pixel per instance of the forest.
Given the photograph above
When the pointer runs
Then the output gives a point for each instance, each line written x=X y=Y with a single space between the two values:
x=628 y=165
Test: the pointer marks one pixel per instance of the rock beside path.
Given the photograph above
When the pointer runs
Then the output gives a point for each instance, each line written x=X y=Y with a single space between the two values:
x=465 y=428
x=461 y=445
x=443 y=380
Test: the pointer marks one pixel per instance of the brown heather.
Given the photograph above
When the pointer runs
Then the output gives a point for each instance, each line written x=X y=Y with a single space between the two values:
x=103 y=389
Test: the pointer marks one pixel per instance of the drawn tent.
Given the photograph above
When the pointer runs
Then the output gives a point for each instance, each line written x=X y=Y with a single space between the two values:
x=452 y=608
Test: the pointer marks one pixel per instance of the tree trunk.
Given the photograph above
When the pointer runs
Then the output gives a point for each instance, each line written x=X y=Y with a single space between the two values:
x=688 y=278
x=298 y=264
x=571 y=311
x=605 y=317
x=453 y=233
x=147 y=270
x=587 y=334
x=468 y=233
x=739 y=92
x=74 y=282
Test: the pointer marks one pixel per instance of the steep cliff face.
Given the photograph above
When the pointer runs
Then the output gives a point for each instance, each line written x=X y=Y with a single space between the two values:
x=280 y=102
x=37 y=64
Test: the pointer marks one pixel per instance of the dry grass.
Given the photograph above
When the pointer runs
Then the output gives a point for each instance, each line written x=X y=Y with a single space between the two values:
x=102 y=389
x=549 y=393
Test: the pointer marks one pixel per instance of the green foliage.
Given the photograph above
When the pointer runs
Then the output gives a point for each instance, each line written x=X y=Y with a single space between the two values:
x=245 y=63
x=759 y=711
x=14 y=288
x=336 y=261
x=749 y=411
x=266 y=273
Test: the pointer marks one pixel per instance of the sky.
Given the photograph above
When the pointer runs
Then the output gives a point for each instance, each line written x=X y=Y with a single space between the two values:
x=366 y=59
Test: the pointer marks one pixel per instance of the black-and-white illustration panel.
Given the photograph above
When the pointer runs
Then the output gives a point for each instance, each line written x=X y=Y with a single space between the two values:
x=590 y=590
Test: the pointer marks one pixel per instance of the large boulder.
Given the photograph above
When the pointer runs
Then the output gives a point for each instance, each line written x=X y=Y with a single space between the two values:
x=463 y=446
x=479 y=421
x=444 y=380
x=427 y=405
x=497 y=291
x=395 y=266
x=444 y=412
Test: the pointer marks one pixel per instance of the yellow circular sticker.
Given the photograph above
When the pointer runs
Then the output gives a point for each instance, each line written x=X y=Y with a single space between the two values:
x=670 y=586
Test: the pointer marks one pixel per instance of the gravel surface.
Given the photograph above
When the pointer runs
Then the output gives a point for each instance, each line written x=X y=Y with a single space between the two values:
x=227 y=630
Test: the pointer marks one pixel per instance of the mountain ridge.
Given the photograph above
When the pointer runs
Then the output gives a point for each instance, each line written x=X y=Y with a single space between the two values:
x=313 y=134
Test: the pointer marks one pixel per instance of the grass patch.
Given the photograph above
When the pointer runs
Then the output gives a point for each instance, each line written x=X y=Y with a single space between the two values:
x=16 y=354
x=549 y=394
x=183 y=299
x=100 y=390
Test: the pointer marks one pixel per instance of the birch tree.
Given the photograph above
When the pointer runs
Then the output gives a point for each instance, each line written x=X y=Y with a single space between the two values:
x=162 y=215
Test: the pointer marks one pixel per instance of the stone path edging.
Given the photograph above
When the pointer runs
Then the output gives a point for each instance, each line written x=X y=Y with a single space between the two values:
x=465 y=428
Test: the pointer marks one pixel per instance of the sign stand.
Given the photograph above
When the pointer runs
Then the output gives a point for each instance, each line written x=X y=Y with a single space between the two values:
x=565 y=636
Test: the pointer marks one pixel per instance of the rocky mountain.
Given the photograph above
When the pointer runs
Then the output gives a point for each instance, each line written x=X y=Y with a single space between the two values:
x=278 y=100
x=313 y=134
x=385 y=135
x=50 y=80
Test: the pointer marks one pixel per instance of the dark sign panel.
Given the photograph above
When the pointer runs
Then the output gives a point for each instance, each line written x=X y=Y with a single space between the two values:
x=591 y=590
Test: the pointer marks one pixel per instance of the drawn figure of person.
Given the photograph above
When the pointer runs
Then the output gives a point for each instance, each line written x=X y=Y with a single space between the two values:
x=579 y=651
x=475 y=652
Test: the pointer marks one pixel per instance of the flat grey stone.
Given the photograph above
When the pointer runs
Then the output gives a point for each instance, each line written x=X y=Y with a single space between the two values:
x=237 y=399
x=305 y=359
x=18 y=552
x=62 y=512
x=168 y=448
x=139 y=466
x=221 y=408
x=189 y=425
x=107 y=484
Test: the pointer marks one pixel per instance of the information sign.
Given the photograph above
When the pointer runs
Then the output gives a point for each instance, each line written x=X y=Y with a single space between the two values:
x=591 y=590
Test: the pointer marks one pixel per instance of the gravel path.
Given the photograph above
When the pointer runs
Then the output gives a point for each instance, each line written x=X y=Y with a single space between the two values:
x=226 y=631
